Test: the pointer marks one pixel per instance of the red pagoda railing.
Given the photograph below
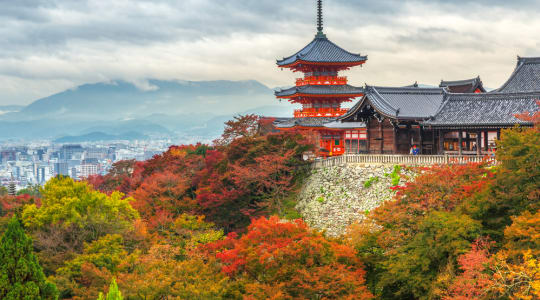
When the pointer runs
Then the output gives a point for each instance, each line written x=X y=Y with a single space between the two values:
x=319 y=112
x=321 y=80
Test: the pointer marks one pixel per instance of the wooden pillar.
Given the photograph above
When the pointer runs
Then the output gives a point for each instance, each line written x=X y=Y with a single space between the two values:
x=460 y=142
x=467 y=141
x=486 y=141
x=409 y=129
x=498 y=134
x=421 y=139
x=433 y=149
x=381 y=135
x=441 y=142
x=440 y=148
x=368 y=137
x=394 y=146
x=479 y=143
x=358 y=141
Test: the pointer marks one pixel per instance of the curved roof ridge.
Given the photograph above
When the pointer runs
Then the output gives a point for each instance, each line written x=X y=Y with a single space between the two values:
x=528 y=60
x=491 y=96
x=348 y=52
x=332 y=51
x=523 y=62
x=460 y=82
x=300 y=53
x=408 y=90
x=343 y=89
x=446 y=98
x=382 y=100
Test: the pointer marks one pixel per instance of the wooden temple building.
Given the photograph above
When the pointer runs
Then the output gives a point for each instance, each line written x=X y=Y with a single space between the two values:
x=458 y=117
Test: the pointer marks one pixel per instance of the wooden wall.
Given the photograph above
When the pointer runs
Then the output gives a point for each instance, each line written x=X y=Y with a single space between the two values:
x=380 y=141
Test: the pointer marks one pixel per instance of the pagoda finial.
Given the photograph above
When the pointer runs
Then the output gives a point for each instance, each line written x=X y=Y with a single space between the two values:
x=320 y=19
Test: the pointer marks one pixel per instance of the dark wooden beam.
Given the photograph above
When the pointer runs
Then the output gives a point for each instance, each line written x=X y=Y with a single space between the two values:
x=421 y=139
x=479 y=143
x=460 y=142
x=467 y=141
x=396 y=132
x=486 y=141
x=381 y=135
x=368 y=136
x=441 y=142
x=498 y=134
x=409 y=129
x=433 y=145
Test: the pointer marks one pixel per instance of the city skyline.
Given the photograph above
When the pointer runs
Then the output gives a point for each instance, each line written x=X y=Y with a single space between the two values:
x=50 y=46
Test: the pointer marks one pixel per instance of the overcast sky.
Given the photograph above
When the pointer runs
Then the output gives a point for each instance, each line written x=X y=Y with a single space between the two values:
x=47 y=46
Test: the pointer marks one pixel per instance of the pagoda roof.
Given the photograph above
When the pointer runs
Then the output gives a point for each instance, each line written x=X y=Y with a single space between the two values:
x=344 y=90
x=322 y=50
x=525 y=78
x=303 y=122
x=330 y=123
x=401 y=102
x=484 y=110
x=464 y=86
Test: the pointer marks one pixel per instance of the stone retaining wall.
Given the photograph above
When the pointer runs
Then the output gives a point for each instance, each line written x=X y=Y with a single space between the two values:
x=335 y=197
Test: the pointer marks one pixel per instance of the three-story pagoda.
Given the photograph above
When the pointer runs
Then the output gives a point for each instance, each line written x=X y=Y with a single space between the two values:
x=321 y=91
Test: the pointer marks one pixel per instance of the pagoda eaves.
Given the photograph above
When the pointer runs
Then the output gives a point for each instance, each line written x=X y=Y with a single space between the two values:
x=322 y=52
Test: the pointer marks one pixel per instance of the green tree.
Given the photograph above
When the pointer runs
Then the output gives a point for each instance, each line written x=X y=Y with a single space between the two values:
x=114 y=293
x=21 y=276
x=72 y=214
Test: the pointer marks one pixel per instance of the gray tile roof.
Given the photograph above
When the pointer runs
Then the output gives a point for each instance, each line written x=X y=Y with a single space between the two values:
x=488 y=109
x=321 y=90
x=463 y=86
x=305 y=122
x=402 y=102
x=525 y=78
x=344 y=125
x=322 y=49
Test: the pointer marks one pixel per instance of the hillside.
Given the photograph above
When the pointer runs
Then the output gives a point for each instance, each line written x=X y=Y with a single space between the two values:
x=200 y=222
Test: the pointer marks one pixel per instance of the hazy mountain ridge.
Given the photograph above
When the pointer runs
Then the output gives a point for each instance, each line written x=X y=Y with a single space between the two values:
x=100 y=136
x=164 y=108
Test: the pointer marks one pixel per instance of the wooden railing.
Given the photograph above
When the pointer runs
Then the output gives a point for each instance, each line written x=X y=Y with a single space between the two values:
x=321 y=80
x=319 y=112
x=411 y=160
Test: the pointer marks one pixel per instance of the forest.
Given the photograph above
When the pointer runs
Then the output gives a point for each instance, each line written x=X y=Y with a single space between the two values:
x=218 y=222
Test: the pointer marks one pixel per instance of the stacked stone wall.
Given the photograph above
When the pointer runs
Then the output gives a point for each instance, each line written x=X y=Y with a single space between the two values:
x=335 y=197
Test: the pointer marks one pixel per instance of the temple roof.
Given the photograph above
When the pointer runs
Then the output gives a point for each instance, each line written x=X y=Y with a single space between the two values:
x=525 y=78
x=321 y=90
x=304 y=122
x=330 y=123
x=402 y=102
x=464 y=86
x=322 y=50
x=496 y=109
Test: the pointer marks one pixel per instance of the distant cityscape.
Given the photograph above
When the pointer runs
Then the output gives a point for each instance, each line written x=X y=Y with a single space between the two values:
x=27 y=165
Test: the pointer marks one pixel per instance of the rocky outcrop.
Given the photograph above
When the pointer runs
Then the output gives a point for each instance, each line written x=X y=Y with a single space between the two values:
x=335 y=197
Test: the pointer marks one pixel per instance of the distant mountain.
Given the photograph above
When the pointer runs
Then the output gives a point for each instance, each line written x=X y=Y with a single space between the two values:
x=100 y=136
x=123 y=100
x=162 y=108
x=10 y=108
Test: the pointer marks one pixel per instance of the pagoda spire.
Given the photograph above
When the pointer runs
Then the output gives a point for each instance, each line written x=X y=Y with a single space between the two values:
x=320 y=19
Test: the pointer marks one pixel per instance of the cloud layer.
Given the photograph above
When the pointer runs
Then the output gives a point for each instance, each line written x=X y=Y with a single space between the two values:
x=50 y=45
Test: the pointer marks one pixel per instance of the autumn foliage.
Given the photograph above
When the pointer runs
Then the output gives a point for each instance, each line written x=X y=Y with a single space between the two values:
x=286 y=260
x=213 y=222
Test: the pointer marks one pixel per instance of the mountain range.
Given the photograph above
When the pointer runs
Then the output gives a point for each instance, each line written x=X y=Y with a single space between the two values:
x=175 y=109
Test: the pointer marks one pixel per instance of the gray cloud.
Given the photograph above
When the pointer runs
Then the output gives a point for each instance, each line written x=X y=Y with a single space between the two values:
x=50 y=45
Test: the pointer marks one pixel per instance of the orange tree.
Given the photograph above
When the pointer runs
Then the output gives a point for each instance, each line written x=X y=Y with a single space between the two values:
x=286 y=260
